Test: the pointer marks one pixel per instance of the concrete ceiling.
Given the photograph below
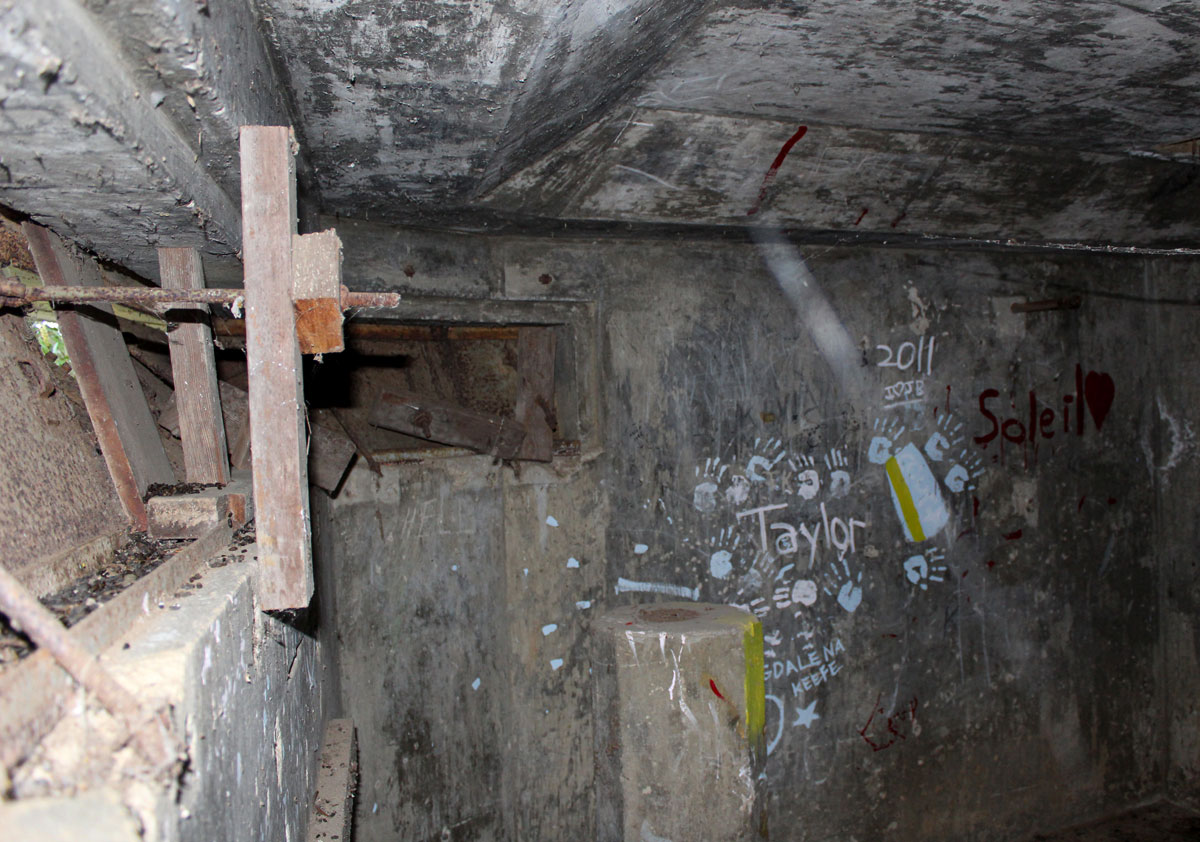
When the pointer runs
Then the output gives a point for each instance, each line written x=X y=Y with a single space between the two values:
x=1035 y=121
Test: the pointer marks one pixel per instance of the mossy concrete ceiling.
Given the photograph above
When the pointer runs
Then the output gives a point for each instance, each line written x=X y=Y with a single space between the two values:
x=1030 y=120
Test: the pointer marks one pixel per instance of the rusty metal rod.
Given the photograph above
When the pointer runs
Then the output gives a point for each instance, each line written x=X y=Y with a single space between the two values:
x=16 y=291
x=149 y=733
x=1071 y=302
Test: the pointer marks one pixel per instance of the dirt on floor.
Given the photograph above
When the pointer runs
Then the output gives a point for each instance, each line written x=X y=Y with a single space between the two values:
x=131 y=562
x=87 y=593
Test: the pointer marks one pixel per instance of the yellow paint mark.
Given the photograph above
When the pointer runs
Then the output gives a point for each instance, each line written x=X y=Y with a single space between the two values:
x=911 y=518
x=756 y=689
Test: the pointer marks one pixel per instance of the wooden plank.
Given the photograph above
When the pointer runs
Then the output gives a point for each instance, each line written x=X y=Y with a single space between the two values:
x=194 y=371
x=116 y=404
x=35 y=691
x=337 y=779
x=330 y=449
x=278 y=441
x=355 y=429
x=535 y=391
x=434 y=420
x=317 y=287
x=194 y=515
x=186 y=515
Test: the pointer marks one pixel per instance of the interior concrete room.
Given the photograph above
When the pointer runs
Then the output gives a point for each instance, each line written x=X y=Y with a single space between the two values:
x=360 y=357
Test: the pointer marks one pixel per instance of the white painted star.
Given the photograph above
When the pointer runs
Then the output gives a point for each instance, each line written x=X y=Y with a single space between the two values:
x=805 y=716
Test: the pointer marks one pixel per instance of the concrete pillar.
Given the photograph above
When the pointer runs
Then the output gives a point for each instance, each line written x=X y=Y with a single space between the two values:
x=679 y=712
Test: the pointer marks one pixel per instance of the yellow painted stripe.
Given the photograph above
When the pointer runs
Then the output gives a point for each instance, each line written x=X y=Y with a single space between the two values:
x=911 y=518
x=755 y=688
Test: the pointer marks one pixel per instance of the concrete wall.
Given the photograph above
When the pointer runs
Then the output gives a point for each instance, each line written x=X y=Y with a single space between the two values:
x=1175 y=396
x=245 y=687
x=989 y=658
x=461 y=619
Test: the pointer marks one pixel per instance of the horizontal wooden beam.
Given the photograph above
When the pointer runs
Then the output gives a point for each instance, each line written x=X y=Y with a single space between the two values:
x=232 y=332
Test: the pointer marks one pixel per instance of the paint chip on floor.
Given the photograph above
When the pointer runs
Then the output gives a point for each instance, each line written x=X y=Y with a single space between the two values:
x=550 y=521
x=475 y=684
x=556 y=664
x=572 y=562
x=640 y=549
x=549 y=629
x=583 y=604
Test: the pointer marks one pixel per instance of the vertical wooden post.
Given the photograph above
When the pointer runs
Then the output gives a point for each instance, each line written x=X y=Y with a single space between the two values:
x=277 y=427
x=115 y=401
x=534 y=409
x=195 y=372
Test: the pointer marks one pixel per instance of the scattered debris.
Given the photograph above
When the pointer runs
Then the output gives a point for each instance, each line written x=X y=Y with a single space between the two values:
x=129 y=564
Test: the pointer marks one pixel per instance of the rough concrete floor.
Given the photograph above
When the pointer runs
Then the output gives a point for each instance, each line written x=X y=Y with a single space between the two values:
x=1155 y=823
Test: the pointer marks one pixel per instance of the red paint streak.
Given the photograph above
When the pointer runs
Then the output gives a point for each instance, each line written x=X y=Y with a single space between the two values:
x=630 y=623
x=1013 y=536
x=1079 y=508
x=861 y=215
x=965 y=572
x=862 y=732
x=966 y=532
x=713 y=685
x=896 y=221
x=991 y=564
x=774 y=168
x=896 y=719
x=976 y=499
x=893 y=636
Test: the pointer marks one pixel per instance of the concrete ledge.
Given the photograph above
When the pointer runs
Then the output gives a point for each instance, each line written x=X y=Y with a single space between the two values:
x=242 y=689
x=679 y=724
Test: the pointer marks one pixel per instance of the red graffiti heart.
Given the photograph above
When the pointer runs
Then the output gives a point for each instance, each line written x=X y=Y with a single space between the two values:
x=1099 y=390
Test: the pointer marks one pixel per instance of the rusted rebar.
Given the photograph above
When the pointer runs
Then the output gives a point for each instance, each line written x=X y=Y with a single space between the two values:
x=1070 y=302
x=150 y=733
x=16 y=292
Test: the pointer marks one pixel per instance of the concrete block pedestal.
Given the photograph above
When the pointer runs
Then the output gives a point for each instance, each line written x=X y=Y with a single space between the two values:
x=680 y=713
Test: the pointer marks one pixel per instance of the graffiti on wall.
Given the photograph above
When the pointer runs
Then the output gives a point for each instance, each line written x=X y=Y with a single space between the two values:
x=809 y=532
x=1066 y=416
